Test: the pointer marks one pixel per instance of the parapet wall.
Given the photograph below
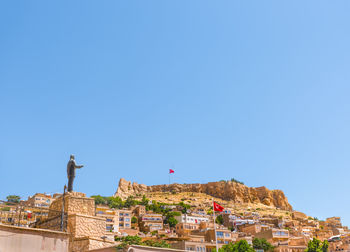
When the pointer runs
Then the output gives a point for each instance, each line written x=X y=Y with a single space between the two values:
x=32 y=239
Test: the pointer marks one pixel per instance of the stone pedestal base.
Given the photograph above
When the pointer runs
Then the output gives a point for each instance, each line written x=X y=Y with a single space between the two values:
x=74 y=203
x=86 y=230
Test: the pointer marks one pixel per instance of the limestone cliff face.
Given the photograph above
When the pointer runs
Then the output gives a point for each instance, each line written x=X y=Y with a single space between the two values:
x=224 y=190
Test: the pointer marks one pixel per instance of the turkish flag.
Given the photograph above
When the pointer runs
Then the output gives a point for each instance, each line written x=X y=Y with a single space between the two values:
x=29 y=215
x=171 y=171
x=217 y=207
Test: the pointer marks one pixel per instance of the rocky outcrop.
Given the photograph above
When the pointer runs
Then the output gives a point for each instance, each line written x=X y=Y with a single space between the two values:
x=226 y=190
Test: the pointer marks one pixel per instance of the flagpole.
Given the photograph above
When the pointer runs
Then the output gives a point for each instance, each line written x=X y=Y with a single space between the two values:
x=216 y=239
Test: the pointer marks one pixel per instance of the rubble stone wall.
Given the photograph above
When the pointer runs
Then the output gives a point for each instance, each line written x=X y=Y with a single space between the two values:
x=86 y=244
x=85 y=225
x=74 y=203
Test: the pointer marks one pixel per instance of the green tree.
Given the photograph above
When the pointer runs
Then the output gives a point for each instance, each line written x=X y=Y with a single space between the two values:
x=169 y=218
x=136 y=240
x=128 y=240
x=237 y=181
x=262 y=244
x=144 y=201
x=134 y=219
x=13 y=198
x=115 y=202
x=219 y=219
x=130 y=202
x=172 y=222
x=156 y=243
x=99 y=200
x=316 y=245
x=241 y=246
x=155 y=232
x=184 y=206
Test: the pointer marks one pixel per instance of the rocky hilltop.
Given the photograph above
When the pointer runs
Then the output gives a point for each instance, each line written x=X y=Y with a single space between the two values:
x=226 y=190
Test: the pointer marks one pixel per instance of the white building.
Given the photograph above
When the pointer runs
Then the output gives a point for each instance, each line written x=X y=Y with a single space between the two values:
x=191 y=219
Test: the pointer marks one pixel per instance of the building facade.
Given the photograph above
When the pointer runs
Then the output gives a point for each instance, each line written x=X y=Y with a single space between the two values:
x=151 y=222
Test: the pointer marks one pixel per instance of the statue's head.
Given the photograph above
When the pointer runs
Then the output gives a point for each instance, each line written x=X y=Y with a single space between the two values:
x=72 y=157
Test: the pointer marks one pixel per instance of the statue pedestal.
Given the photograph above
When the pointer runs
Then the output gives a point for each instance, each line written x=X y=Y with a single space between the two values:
x=74 y=203
x=80 y=220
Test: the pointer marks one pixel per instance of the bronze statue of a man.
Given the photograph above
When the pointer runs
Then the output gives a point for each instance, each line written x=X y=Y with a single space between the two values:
x=71 y=166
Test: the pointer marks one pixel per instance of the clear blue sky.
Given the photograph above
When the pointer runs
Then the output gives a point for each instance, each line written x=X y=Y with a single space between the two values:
x=255 y=90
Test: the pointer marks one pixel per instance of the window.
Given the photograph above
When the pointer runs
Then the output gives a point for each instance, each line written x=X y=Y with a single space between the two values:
x=127 y=219
x=109 y=220
x=220 y=234
x=227 y=234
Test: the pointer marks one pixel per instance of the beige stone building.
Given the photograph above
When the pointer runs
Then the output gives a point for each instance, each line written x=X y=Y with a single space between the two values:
x=117 y=220
x=151 y=222
x=334 y=222
x=185 y=229
x=193 y=245
x=224 y=236
x=21 y=216
x=139 y=210
x=252 y=229
x=124 y=217
x=112 y=219
x=40 y=200
x=275 y=236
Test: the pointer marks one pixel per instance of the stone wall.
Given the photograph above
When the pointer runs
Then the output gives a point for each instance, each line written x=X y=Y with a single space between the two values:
x=84 y=244
x=53 y=223
x=86 y=226
x=74 y=202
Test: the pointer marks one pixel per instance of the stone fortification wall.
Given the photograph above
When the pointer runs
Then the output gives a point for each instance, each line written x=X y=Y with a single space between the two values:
x=226 y=190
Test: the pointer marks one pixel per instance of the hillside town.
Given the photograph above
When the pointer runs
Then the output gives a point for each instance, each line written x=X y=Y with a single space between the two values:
x=168 y=220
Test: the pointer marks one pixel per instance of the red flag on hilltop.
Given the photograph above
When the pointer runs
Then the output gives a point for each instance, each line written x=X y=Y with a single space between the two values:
x=217 y=207
x=171 y=171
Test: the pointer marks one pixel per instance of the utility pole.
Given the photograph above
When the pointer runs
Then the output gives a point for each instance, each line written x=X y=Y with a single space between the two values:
x=19 y=216
x=62 y=214
x=216 y=238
